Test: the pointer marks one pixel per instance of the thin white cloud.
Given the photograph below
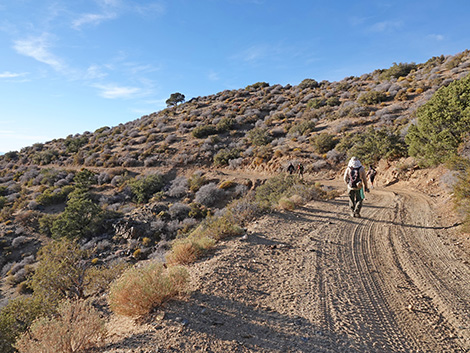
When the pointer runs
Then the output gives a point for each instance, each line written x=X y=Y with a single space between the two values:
x=386 y=26
x=8 y=74
x=94 y=72
x=253 y=53
x=213 y=76
x=38 y=49
x=437 y=37
x=118 y=92
x=92 y=19
x=150 y=9
x=112 y=9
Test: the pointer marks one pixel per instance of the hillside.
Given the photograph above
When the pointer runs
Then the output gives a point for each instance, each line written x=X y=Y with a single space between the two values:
x=125 y=193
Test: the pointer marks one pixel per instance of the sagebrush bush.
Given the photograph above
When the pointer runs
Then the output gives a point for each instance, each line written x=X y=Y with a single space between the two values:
x=77 y=327
x=141 y=289
x=179 y=210
x=179 y=187
x=245 y=210
x=209 y=194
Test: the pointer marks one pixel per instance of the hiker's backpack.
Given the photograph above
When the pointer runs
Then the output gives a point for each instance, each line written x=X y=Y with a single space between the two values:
x=354 y=177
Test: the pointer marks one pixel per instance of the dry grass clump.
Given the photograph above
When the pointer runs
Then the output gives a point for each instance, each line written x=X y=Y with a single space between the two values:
x=188 y=250
x=76 y=328
x=140 y=289
x=290 y=203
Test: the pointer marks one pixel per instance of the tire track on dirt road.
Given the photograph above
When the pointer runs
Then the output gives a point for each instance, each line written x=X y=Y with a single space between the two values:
x=387 y=299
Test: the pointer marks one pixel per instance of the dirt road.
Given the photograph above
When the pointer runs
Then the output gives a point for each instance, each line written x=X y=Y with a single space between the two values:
x=317 y=280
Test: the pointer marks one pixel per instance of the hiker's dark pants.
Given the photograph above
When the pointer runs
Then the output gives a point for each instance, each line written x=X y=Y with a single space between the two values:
x=355 y=200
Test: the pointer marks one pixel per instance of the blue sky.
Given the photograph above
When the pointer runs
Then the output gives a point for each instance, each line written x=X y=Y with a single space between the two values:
x=72 y=66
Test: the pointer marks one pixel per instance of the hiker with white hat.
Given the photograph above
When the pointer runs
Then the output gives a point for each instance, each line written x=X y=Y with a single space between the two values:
x=356 y=179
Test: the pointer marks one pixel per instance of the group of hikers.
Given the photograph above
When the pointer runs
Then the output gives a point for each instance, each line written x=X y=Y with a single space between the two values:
x=356 y=179
x=300 y=169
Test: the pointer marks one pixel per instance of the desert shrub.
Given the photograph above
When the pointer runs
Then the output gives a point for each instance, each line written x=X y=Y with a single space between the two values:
x=259 y=136
x=235 y=163
x=53 y=195
x=3 y=201
x=225 y=124
x=371 y=97
x=45 y=157
x=99 y=278
x=220 y=226
x=374 y=144
x=198 y=211
x=103 y=178
x=46 y=222
x=76 y=328
x=196 y=180
x=302 y=128
x=61 y=271
x=245 y=210
x=223 y=157
x=144 y=188
x=257 y=86
x=209 y=194
x=323 y=142
x=333 y=101
x=141 y=289
x=397 y=70
x=81 y=218
x=227 y=184
x=308 y=83
x=85 y=178
x=335 y=156
x=187 y=250
x=288 y=203
x=179 y=210
x=204 y=131
x=442 y=124
x=16 y=317
x=73 y=144
x=273 y=189
x=316 y=103
x=178 y=187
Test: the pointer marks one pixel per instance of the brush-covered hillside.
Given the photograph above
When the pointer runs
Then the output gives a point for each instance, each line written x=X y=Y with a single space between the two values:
x=170 y=184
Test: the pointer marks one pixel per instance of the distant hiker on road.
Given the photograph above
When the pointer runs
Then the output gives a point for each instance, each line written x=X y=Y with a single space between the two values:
x=300 y=170
x=356 y=179
x=371 y=173
x=290 y=168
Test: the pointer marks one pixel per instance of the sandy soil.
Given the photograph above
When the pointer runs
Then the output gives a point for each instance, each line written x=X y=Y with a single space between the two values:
x=317 y=280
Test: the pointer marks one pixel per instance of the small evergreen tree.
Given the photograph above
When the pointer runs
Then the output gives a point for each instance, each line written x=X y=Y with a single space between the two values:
x=81 y=218
x=174 y=99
